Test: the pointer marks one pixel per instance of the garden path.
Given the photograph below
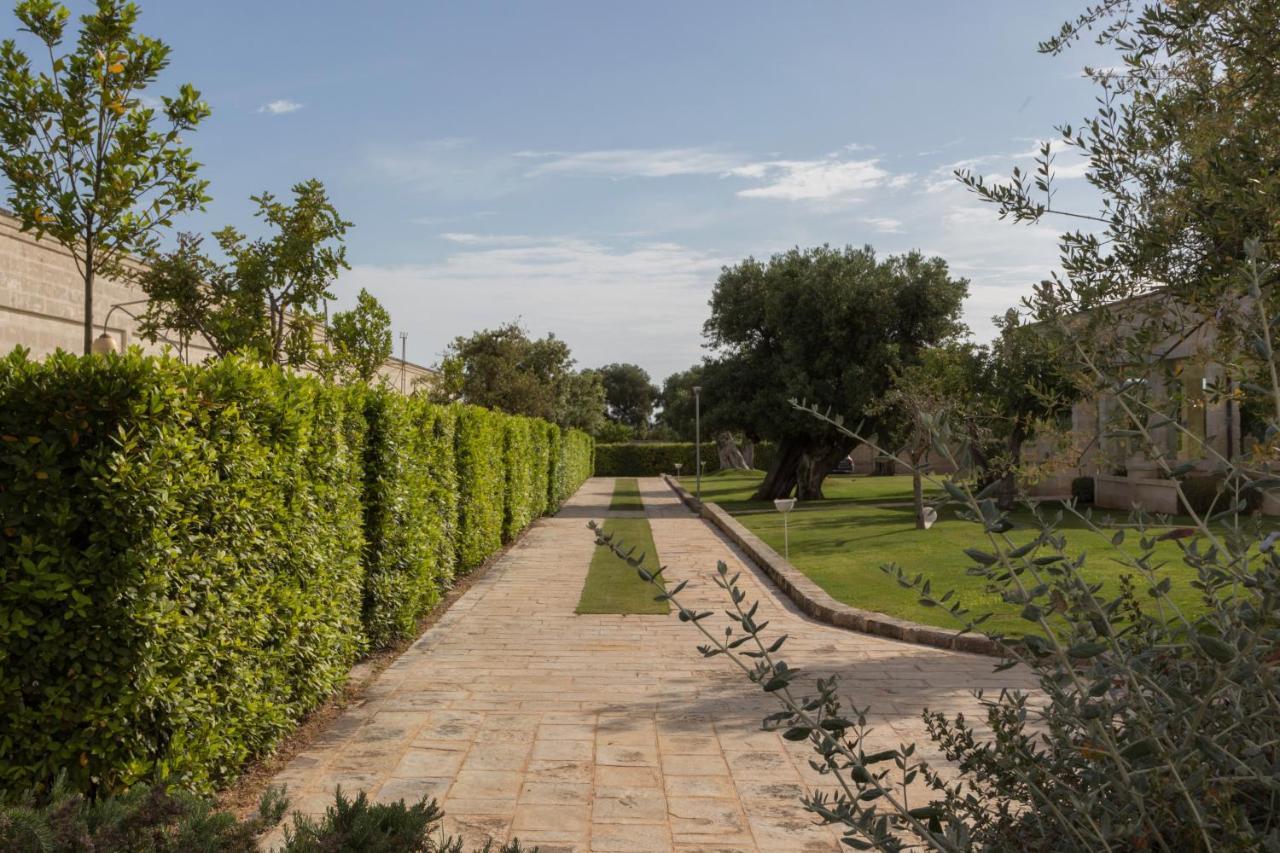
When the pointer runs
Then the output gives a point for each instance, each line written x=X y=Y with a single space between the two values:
x=612 y=733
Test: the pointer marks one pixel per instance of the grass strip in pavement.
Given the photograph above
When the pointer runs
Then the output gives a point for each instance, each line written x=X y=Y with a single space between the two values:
x=614 y=587
x=626 y=494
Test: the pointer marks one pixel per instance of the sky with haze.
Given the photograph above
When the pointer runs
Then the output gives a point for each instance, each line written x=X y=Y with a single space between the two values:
x=588 y=167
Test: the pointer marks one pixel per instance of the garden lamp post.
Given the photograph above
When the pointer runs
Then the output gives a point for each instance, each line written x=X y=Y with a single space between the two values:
x=697 y=437
x=784 y=506
x=679 y=465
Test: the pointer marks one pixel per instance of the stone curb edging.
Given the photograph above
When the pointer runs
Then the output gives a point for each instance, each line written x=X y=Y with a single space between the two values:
x=815 y=602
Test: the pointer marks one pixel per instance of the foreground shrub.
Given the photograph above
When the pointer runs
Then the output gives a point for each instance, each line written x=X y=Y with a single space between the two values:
x=155 y=819
x=179 y=564
x=410 y=511
x=524 y=499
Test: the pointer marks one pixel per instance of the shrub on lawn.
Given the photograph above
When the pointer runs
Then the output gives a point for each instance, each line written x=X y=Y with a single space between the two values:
x=410 y=511
x=179 y=564
x=1082 y=489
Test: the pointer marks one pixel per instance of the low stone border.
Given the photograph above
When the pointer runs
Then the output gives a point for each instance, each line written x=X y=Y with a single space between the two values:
x=815 y=601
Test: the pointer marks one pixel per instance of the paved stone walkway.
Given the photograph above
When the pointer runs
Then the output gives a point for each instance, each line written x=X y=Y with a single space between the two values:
x=611 y=733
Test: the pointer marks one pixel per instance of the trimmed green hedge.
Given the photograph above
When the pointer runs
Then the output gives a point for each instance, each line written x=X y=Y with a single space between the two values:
x=177 y=564
x=481 y=458
x=192 y=557
x=410 y=511
x=649 y=459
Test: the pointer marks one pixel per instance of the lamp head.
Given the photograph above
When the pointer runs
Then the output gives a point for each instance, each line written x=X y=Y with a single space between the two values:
x=784 y=505
x=104 y=344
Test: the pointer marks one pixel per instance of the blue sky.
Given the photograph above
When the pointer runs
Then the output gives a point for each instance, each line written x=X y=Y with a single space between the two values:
x=589 y=166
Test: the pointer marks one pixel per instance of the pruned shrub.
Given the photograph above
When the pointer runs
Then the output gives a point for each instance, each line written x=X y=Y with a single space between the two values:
x=650 y=459
x=480 y=453
x=410 y=511
x=180 y=570
x=1082 y=489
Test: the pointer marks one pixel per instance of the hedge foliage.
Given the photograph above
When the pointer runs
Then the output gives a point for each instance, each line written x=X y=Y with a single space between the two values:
x=649 y=459
x=192 y=557
x=410 y=511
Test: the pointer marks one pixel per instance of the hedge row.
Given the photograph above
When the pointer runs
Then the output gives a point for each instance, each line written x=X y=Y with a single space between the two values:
x=192 y=557
x=649 y=459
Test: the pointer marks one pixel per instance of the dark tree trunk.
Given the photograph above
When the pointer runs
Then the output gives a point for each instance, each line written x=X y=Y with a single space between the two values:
x=917 y=495
x=88 y=300
x=780 y=480
x=815 y=467
x=1008 y=492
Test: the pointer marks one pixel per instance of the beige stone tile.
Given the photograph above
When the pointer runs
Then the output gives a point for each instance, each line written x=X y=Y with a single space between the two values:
x=637 y=807
x=680 y=787
x=630 y=837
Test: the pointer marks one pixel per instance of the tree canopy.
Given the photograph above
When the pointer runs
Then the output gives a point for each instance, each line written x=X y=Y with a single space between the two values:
x=629 y=394
x=87 y=160
x=820 y=324
x=676 y=399
x=266 y=299
x=505 y=369
x=359 y=340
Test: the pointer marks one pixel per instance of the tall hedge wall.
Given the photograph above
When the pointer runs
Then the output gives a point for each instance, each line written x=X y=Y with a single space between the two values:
x=177 y=562
x=649 y=459
x=410 y=511
x=192 y=557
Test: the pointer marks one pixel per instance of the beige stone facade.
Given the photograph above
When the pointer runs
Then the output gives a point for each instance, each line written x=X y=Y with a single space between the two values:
x=42 y=306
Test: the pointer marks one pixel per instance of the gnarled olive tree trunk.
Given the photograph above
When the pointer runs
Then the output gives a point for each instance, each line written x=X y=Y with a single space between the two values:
x=731 y=458
x=799 y=469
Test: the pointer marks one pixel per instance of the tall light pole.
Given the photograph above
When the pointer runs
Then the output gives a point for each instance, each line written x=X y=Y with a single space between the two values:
x=403 y=337
x=697 y=437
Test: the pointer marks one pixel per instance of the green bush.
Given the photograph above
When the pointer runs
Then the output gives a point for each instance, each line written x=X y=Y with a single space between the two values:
x=192 y=557
x=1082 y=489
x=179 y=564
x=410 y=511
x=650 y=459
x=518 y=459
x=482 y=481
x=577 y=461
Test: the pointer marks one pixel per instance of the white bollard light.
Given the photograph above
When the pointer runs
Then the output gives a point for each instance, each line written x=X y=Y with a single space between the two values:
x=784 y=506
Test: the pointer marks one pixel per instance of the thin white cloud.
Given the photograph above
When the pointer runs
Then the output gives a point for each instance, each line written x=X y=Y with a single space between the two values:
x=812 y=180
x=280 y=107
x=884 y=224
x=463 y=238
x=633 y=162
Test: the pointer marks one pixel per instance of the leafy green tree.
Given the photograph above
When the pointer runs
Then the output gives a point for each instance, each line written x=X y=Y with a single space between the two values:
x=87 y=162
x=360 y=339
x=820 y=324
x=581 y=402
x=676 y=400
x=505 y=369
x=944 y=383
x=266 y=299
x=629 y=394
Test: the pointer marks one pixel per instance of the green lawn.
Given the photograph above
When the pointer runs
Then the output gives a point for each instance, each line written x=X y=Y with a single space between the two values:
x=842 y=541
x=626 y=494
x=614 y=587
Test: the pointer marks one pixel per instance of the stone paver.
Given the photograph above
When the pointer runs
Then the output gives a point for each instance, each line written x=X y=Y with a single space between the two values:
x=611 y=733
